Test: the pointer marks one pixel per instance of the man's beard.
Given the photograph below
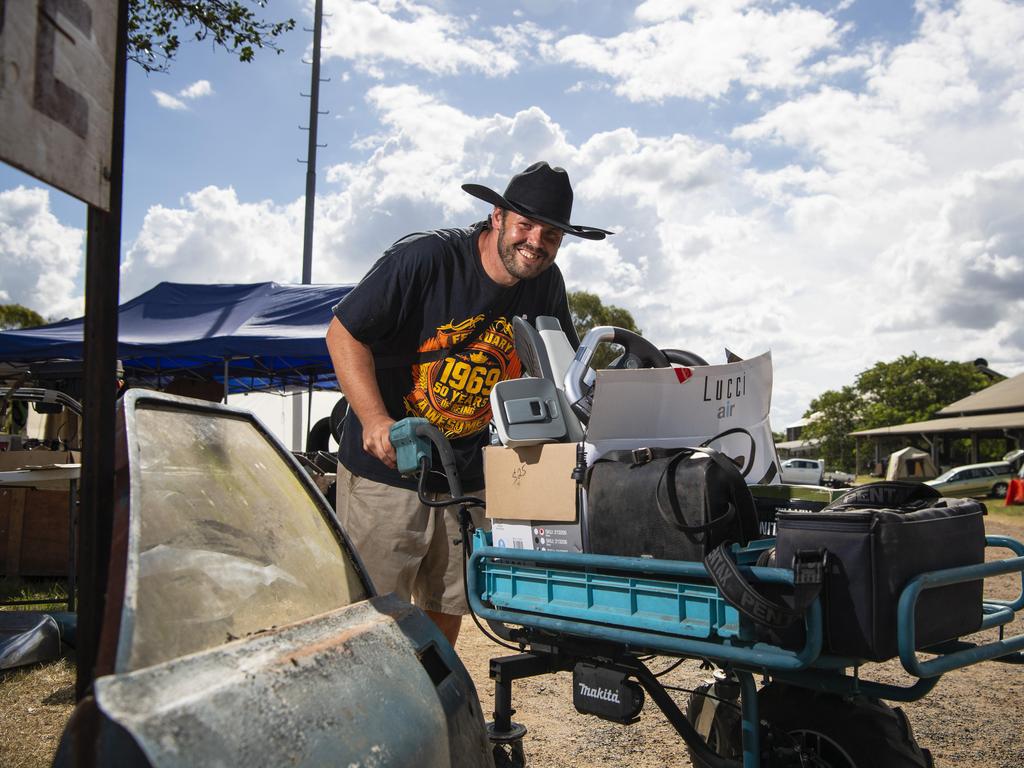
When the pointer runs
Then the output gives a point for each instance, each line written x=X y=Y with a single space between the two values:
x=517 y=264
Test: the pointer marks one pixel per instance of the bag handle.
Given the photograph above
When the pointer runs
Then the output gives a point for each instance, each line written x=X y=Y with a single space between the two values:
x=749 y=463
x=741 y=502
x=887 y=494
x=808 y=571
x=674 y=515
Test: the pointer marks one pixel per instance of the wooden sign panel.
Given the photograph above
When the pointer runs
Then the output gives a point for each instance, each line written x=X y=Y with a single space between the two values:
x=57 y=92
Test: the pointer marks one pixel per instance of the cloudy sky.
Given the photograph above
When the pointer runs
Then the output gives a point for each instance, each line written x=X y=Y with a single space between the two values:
x=837 y=181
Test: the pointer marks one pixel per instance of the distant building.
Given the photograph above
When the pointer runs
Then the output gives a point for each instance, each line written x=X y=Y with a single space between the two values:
x=794 y=445
x=996 y=412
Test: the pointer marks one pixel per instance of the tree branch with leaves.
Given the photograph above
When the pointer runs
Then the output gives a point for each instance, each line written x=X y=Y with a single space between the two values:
x=154 y=28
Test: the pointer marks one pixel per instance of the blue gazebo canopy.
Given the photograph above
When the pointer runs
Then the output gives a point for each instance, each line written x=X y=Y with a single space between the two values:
x=270 y=336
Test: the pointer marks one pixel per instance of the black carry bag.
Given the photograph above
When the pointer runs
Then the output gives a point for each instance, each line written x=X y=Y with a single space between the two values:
x=670 y=504
x=862 y=550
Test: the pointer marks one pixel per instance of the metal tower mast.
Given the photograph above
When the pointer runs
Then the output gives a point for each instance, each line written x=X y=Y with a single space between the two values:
x=314 y=113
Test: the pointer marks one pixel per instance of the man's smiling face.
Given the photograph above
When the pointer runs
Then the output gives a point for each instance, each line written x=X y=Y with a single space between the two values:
x=527 y=247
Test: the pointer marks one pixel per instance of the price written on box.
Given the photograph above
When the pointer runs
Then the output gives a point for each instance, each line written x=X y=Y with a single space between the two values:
x=518 y=473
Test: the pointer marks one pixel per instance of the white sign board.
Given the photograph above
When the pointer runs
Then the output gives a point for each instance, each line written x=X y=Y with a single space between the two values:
x=724 y=406
x=57 y=92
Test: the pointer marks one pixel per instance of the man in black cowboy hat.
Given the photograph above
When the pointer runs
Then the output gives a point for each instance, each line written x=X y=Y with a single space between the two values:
x=428 y=333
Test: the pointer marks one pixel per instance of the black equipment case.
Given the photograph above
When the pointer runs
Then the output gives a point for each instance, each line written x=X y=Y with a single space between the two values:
x=873 y=553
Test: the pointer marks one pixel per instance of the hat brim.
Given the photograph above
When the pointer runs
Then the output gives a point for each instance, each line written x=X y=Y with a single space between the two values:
x=492 y=197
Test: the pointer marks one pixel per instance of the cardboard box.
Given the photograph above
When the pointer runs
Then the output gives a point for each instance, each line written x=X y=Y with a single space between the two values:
x=533 y=483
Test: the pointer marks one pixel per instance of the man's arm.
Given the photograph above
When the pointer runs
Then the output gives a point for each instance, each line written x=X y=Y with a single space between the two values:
x=354 y=367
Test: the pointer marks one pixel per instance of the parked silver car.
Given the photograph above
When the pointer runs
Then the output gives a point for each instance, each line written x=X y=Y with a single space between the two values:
x=988 y=479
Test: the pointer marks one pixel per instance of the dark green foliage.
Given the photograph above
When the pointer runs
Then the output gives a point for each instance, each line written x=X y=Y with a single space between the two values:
x=838 y=415
x=153 y=27
x=588 y=312
x=911 y=388
x=15 y=316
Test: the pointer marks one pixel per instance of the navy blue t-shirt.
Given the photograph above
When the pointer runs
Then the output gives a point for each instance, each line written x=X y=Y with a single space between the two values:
x=429 y=291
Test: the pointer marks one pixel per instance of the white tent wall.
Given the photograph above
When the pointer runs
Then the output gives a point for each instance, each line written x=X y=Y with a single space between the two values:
x=287 y=416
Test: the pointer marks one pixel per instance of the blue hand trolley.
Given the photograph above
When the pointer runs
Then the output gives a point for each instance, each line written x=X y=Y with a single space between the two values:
x=570 y=611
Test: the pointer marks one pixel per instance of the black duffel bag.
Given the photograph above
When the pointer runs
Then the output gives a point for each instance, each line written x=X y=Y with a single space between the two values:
x=863 y=549
x=670 y=504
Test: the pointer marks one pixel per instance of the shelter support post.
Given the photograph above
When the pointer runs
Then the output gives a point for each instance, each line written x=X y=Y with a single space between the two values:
x=933 y=448
x=98 y=494
x=309 y=411
x=227 y=378
x=974 y=447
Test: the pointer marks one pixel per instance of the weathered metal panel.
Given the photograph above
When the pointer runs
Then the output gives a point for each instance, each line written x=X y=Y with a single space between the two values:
x=346 y=688
x=224 y=536
x=57 y=92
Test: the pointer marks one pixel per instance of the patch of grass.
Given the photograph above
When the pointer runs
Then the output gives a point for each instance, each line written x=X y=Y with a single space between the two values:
x=34 y=589
x=35 y=704
x=35 y=701
x=995 y=507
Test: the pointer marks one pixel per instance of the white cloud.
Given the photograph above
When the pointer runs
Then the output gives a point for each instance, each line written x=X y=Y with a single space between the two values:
x=371 y=33
x=966 y=263
x=700 y=49
x=215 y=238
x=167 y=101
x=40 y=258
x=411 y=181
x=197 y=90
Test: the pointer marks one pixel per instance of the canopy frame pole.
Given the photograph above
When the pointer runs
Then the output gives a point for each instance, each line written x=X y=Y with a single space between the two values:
x=227 y=380
x=309 y=409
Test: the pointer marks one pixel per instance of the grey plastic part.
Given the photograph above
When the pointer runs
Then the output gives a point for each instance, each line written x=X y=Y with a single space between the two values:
x=547 y=323
x=529 y=409
x=527 y=412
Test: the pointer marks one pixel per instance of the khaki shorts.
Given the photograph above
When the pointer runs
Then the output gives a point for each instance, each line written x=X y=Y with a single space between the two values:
x=406 y=546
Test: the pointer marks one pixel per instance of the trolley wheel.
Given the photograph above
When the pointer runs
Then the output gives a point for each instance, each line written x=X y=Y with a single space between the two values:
x=835 y=732
x=717 y=720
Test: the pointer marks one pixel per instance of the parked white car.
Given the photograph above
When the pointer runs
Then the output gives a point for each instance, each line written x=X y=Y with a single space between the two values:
x=803 y=471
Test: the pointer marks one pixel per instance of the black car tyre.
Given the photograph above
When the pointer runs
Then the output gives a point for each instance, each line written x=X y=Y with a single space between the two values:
x=999 y=489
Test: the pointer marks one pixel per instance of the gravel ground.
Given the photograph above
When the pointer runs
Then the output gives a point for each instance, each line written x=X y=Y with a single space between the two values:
x=972 y=719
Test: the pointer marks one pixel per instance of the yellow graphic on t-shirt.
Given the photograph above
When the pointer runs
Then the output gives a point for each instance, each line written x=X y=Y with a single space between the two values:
x=454 y=392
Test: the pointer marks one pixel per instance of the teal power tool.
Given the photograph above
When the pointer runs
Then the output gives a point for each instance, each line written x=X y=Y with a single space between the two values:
x=412 y=438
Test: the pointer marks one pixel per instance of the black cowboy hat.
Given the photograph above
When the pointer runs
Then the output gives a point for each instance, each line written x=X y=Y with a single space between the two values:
x=542 y=193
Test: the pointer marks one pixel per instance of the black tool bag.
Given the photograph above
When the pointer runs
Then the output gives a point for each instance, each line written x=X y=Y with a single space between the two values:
x=670 y=504
x=862 y=555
